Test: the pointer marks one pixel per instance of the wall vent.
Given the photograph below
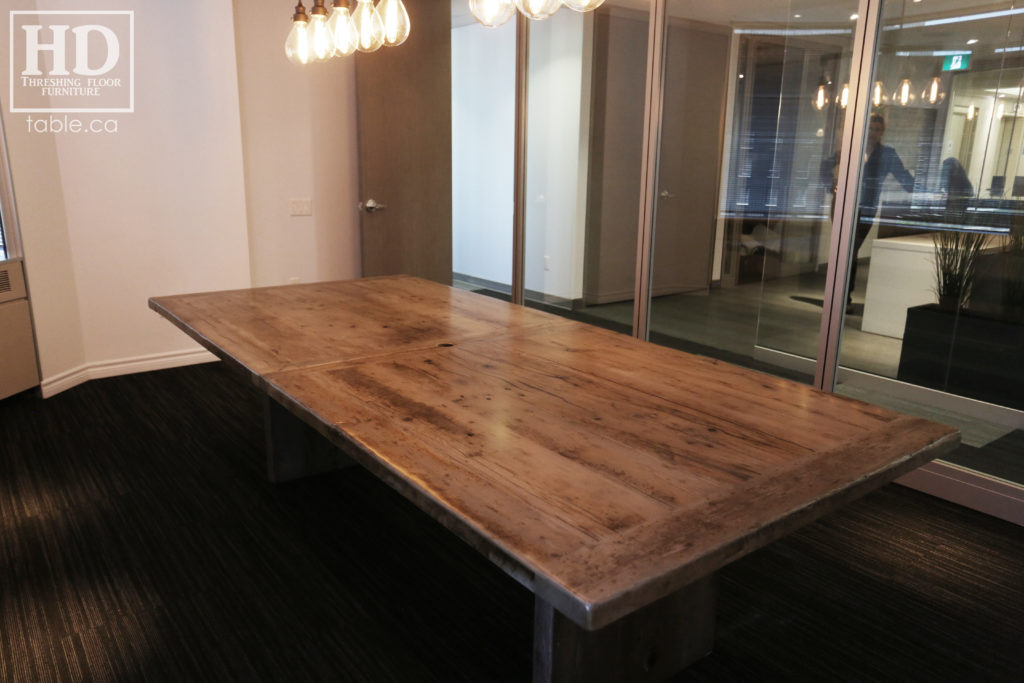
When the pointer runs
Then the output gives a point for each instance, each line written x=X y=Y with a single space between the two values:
x=12 y=281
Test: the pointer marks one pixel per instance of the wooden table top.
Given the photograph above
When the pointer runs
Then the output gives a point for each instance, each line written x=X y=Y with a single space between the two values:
x=601 y=471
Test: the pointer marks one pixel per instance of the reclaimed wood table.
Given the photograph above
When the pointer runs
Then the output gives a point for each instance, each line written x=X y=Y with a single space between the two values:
x=610 y=476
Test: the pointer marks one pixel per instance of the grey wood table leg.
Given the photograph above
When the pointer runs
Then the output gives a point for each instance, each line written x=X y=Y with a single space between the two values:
x=294 y=449
x=651 y=644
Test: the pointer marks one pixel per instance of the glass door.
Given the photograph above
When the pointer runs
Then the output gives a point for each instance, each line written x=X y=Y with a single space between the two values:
x=936 y=320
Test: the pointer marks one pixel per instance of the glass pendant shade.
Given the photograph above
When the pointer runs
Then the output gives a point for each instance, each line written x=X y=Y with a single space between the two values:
x=343 y=32
x=582 y=5
x=819 y=98
x=297 y=46
x=903 y=93
x=492 y=13
x=320 y=38
x=538 y=9
x=369 y=27
x=396 y=21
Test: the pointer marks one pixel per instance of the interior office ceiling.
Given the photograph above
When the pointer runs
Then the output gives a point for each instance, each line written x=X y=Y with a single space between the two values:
x=987 y=22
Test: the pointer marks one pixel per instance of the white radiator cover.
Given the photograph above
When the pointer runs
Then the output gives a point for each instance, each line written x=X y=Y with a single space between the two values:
x=18 y=367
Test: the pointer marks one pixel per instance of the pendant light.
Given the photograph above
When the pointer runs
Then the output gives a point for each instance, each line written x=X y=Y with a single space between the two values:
x=934 y=90
x=396 y=21
x=343 y=32
x=297 y=47
x=582 y=5
x=903 y=92
x=538 y=9
x=320 y=38
x=368 y=26
x=323 y=33
x=492 y=13
x=844 y=96
x=876 y=96
x=820 y=98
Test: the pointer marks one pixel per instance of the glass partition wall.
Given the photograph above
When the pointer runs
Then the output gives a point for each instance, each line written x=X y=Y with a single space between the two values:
x=938 y=325
x=829 y=190
x=755 y=97
x=584 y=155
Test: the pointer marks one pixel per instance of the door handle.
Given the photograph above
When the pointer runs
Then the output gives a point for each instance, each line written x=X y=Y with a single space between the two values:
x=371 y=206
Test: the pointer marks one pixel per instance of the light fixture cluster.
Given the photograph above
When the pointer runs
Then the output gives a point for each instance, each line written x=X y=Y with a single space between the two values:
x=493 y=13
x=317 y=37
x=903 y=95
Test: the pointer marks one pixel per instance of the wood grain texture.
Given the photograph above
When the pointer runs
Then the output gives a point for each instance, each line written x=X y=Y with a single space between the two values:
x=299 y=326
x=603 y=472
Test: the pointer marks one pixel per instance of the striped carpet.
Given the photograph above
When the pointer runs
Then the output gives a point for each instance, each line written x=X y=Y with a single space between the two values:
x=140 y=541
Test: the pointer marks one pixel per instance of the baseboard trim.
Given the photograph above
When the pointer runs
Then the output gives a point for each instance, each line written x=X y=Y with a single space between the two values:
x=971 y=489
x=51 y=386
x=971 y=407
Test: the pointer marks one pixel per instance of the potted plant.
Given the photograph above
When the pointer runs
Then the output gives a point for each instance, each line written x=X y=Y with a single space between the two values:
x=956 y=258
x=969 y=347
x=1013 y=273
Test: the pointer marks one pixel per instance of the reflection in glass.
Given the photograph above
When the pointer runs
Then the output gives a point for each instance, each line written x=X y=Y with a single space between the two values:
x=755 y=97
x=483 y=127
x=938 y=248
x=584 y=160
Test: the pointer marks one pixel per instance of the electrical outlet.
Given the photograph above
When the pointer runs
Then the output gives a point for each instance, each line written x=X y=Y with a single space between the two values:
x=300 y=207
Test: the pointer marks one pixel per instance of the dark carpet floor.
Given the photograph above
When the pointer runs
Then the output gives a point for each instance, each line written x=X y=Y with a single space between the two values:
x=140 y=541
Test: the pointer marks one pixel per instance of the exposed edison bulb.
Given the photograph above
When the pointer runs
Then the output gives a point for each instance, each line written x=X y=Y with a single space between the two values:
x=933 y=91
x=297 y=47
x=538 y=9
x=396 y=21
x=582 y=5
x=492 y=13
x=342 y=31
x=876 y=95
x=903 y=93
x=844 y=97
x=369 y=27
x=320 y=38
x=819 y=99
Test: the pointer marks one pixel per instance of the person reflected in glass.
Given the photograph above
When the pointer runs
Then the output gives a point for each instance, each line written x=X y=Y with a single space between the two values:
x=880 y=161
x=958 y=189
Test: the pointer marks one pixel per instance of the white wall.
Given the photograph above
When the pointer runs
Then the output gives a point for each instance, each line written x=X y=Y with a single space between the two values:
x=110 y=219
x=483 y=140
x=299 y=142
x=159 y=207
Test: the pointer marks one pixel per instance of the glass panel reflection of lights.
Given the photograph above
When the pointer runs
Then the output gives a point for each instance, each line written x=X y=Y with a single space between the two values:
x=937 y=285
